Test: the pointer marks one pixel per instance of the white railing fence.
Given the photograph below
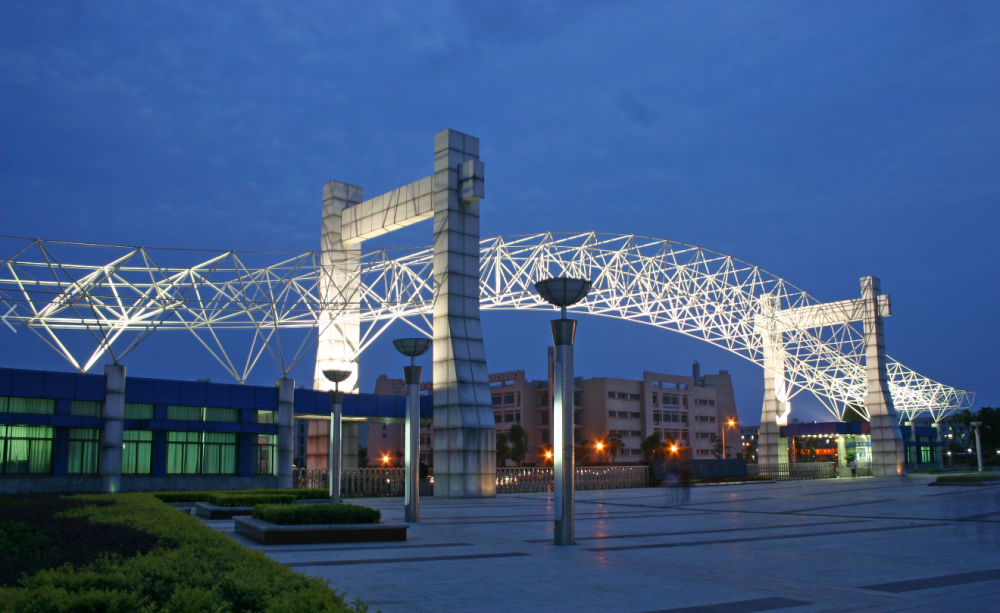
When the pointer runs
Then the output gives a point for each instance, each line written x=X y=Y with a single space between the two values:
x=536 y=479
x=801 y=470
x=355 y=482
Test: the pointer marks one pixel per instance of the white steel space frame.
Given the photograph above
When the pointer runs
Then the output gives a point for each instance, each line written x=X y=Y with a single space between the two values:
x=53 y=288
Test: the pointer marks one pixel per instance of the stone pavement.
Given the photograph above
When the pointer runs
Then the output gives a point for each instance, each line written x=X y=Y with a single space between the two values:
x=799 y=546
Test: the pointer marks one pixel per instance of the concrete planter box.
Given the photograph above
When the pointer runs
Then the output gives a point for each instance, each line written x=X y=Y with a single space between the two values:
x=266 y=533
x=214 y=511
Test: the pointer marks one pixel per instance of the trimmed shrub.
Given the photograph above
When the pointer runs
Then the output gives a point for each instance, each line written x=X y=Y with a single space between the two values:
x=206 y=496
x=205 y=571
x=184 y=496
x=249 y=500
x=298 y=515
x=968 y=478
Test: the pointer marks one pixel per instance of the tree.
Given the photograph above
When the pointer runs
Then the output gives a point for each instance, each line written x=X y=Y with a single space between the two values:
x=963 y=433
x=717 y=447
x=615 y=445
x=650 y=446
x=581 y=454
x=363 y=457
x=503 y=448
x=518 y=437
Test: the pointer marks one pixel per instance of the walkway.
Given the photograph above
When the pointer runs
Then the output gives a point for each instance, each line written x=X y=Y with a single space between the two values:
x=830 y=545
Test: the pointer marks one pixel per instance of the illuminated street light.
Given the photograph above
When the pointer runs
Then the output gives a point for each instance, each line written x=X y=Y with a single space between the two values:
x=336 y=440
x=385 y=459
x=412 y=347
x=563 y=292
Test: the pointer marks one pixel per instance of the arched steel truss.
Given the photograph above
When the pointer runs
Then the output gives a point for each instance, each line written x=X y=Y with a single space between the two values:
x=675 y=286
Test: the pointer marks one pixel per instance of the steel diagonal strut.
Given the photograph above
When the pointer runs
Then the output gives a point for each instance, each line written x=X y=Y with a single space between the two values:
x=666 y=284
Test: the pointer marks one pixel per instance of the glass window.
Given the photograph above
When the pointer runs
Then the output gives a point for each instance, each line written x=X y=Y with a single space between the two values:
x=183 y=453
x=508 y=398
x=265 y=417
x=183 y=413
x=543 y=418
x=138 y=452
x=206 y=453
x=86 y=408
x=135 y=410
x=219 y=453
x=612 y=395
x=84 y=446
x=216 y=414
x=497 y=400
x=264 y=455
x=36 y=406
x=518 y=398
x=26 y=450
x=508 y=416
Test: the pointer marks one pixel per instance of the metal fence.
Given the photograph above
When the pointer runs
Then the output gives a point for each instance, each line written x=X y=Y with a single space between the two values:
x=801 y=470
x=535 y=479
x=355 y=482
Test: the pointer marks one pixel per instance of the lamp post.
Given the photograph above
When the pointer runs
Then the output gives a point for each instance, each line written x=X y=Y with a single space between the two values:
x=563 y=292
x=600 y=448
x=979 y=454
x=336 y=447
x=411 y=460
x=729 y=425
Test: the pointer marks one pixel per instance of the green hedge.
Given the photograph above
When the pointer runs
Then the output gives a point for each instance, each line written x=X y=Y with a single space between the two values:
x=206 y=496
x=316 y=514
x=249 y=500
x=206 y=572
x=967 y=478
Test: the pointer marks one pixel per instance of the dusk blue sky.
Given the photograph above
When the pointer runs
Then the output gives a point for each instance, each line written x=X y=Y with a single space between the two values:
x=820 y=141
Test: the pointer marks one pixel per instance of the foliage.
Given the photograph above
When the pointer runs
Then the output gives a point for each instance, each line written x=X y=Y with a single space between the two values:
x=305 y=514
x=249 y=500
x=615 y=445
x=968 y=478
x=35 y=534
x=518 y=443
x=363 y=457
x=204 y=570
x=313 y=493
x=651 y=447
x=503 y=448
x=581 y=454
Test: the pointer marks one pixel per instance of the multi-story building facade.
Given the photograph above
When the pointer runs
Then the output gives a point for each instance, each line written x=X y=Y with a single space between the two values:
x=687 y=411
x=749 y=436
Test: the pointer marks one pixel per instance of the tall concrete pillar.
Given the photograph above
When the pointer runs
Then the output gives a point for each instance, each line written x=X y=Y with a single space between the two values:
x=339 y=285
x=112 y=435
x=940 y=448
x=888 y=457
x=349 y=437
x=464 y=430
x=915 y=446
x=286 y=430
x=770 y=447
x=842 y=468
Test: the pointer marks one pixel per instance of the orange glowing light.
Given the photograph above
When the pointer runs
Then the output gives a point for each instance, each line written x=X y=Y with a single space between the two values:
x=385 y=459
x=548 y=455
x=600 y=446
x=732 y=423
x=673 y=448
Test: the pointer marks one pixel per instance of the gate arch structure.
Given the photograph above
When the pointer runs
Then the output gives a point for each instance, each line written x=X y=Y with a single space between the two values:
x=335 y=302
x=670 y=285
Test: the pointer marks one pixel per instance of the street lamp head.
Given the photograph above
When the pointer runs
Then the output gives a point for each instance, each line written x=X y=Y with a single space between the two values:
x=732 y=423
x=563 y=291
x=385 y=459
x=600 y=446
x=412 y=346
x=337 y=376
x=976 y=424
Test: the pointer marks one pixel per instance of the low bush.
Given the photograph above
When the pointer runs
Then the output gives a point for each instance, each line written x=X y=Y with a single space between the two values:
x=202 y=571
x=206 y=496
x=298 y=515
x=968 y=478
x=249 y=500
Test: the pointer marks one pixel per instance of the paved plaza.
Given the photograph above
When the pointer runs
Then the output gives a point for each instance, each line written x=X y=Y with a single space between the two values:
x=801 y=546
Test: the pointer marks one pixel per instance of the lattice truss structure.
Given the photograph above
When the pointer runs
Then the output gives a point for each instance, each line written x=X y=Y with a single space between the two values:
x=275 y=296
